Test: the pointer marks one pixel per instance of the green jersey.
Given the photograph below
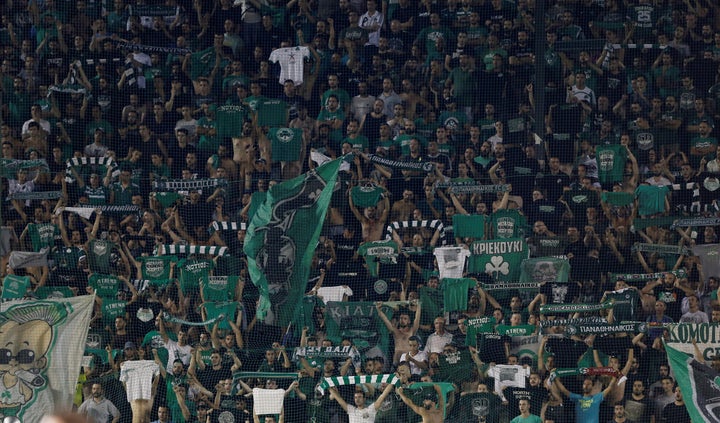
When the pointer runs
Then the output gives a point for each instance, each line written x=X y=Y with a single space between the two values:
x=156 y=267
x=286 y=144
x=42 y=235
x=105 y=286
x=192 y=271
x=507 y=224
x=219 y=288
x=611 y=162
x=99 y=252
x=469 y=226
x=111 y=309
x=14 y=286
x=455 y=293
x=378 y=252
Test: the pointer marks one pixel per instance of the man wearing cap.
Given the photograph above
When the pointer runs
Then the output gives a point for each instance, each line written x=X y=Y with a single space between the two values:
x=433 y=407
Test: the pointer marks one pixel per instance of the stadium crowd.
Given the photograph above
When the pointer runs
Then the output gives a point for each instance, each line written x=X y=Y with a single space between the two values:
x=140 y=137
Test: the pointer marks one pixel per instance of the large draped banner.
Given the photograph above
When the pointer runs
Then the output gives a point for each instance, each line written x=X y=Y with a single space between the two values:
x=706 y=335
x=43 y=342
x=700 y=386
x=282 y=237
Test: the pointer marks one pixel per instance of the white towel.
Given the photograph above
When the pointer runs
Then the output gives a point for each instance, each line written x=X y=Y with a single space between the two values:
x=268 y=401
x=334 y=293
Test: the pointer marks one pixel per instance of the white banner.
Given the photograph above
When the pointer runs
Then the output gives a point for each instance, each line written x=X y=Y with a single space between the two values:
x=707 y=336
x=43 y=343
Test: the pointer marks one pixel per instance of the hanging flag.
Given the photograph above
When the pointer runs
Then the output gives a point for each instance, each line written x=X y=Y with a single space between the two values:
x=282 y=238
x=46 y=338
x=500 y=258
x=700 y=386
x=545 y=269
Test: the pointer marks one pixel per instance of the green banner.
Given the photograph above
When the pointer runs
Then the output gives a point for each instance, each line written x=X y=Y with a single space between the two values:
x=500 y=258
x=699 y=384
x=282 y=238
x=545 y=269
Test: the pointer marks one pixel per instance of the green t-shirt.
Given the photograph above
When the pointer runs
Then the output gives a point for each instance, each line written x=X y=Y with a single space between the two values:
x=156 y=267
x=215 y=309
x=455 y=367
x=377 y=252
x=99 y=252
x=14 y=286
x=192 y=271
x=42 y=235
x=360 y=142
x=651 y=199
x=611 y=160
x=507 y=224
x=455 y=293
x=366 y=196
x=105 y=286
x=44 y=292
x=219 y=288
x=286 y=144
x=111 y=309
x=272 y=112
x=469 y=226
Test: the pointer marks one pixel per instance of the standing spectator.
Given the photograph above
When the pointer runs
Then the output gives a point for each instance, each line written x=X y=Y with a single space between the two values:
x=99 y=409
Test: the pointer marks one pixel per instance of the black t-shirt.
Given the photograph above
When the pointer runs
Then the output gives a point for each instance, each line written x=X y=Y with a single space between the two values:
x=673 y=298
x=535 y=394
x=210 y=377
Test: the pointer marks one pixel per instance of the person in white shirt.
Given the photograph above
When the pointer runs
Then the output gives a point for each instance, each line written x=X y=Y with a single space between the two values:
x=360 y=412
x=438 y=339
x=372 y=22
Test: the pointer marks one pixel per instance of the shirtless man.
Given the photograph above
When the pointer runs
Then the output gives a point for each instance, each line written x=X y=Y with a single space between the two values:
x=403 y=331
x=373 y=226
x=245 y=152
x=431 y=410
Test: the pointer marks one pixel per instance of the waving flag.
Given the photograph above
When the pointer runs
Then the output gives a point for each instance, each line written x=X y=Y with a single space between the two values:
x=282 y=237
x=700 y=385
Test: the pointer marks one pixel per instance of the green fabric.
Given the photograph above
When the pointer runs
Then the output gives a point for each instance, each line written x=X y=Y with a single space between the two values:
x=42 y=235
x=455 y=367
x=111 y=309
x=545 y=269
x=610 y=162
x=283 y=235
x=697 y=381
x=522 y=330
x=230 y=120
x=651 y=199
x=618 y=199
x=167 y=199
x=214 y=310
x=366 y=196
x=476 y=326
x=192 y=272
x=286 y=144
x=44 y=292
x=469 y=226
x=507 y=224
x=105 y=286
x=219 y=288
x=202 y=62
x=303 y=316
x=432 y=301
x=455 y=293
x=501 y=258
x=98 y=253
x=156 y=267
x=14 y=286
x=378 y=252
x=272 y=112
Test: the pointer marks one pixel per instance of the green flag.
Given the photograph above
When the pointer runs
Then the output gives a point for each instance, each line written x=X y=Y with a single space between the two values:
x=500 y=258
x=545 y=269
x=282 y=237
x=700 y=386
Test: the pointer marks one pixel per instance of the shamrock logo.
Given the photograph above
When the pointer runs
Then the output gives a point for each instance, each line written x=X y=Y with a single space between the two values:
x=497 y=265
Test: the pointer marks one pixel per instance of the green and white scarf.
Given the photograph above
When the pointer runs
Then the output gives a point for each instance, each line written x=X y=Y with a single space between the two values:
x=172 y=249
x=187 y=185
x=502 y=286
x=169 y=318
x=36 y=195
x=638 y=277
x=330 y=382
x=697 y=221
x=397 y=164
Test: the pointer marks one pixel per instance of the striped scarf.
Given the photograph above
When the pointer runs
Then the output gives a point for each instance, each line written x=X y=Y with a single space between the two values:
x=660 y=248
x=330 y=382
x=501 y=286
x=574 y=308
x=634 y=277
x=172 y=249
x=697 y=221
x=435 y=225
x=169 y=318
x=228 y=226
x=93 y=161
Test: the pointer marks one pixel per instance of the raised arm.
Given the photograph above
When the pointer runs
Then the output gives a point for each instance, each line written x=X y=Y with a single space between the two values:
x=336 y=396
x=378 y=402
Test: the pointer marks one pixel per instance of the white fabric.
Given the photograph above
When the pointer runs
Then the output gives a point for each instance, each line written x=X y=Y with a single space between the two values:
x=334 y=293
x=176 y=351
x=435 y=342
x=420 y=356
x=367 y=22
x=506 y=375
x=291 y=63
x=268 y=401
x=138 y=376
x=365 y=415
x=85 y=212
x=451 y=261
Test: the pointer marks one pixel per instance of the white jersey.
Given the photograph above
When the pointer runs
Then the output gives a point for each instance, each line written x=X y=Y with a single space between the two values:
x=367 y=22
x=451 y=261
x=291 y=60
x=137 y=375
